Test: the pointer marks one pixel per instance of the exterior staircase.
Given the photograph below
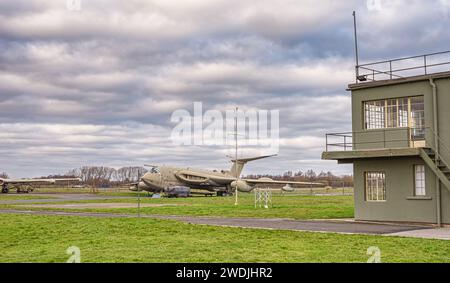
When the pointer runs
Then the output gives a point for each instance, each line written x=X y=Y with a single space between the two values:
x=436 y=163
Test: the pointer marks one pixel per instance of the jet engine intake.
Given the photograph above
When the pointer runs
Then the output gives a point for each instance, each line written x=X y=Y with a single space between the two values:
x=141 y=186
x=288 y=188
x=242 y=186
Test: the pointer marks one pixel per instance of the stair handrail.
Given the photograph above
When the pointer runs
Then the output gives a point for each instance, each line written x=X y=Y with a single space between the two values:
x=441 y=145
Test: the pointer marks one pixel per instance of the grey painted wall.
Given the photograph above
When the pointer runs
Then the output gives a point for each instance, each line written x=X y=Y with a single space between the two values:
x=405 y=90
x=386 y=92
x=399 y=205
x=400 y=171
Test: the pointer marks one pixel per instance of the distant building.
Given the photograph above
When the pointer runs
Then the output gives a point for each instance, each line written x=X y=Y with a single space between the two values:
x=400 y=142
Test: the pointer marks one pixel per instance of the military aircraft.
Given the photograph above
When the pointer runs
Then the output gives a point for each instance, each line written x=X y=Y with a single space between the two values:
x=175 y=181
x=26 y=185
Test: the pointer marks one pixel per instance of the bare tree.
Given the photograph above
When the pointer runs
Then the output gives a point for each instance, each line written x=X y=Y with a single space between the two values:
x=130 y=174
x=95 y=175
x=311 y=175
x=105 y=176
x=299 y=173
x=4 y=175
x=288 y=174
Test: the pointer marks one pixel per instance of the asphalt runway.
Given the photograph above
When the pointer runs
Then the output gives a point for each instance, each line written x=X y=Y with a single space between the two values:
x=97 y=205
x=59 y=198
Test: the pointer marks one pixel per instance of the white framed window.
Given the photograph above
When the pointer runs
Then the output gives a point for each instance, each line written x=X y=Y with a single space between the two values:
x=417 y=117
x=375 y=186
x=396 y=113
x=375 y=114
x=419 y=183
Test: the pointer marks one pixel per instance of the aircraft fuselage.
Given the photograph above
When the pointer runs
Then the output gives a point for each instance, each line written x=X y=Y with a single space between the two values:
x=159 y=179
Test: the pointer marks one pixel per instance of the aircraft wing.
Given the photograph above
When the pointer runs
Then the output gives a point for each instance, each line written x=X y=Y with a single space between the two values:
x=200 y=178
x=270 y=181
x=30 y=181
x=67 y=180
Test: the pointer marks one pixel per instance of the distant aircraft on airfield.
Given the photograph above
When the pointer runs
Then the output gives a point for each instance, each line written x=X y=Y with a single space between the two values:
x=174 y=181
x=26 y=185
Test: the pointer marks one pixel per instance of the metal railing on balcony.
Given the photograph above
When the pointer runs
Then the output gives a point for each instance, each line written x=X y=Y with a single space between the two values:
x=404 y=67
x=377 y=139
x=345 y=143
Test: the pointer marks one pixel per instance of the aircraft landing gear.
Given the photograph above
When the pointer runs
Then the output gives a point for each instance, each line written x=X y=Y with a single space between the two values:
x=224 y=194
x=24 y=189
x=5 y=189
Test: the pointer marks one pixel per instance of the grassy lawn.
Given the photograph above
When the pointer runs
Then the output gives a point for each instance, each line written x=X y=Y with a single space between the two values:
x=297 y=207
x=28 y=238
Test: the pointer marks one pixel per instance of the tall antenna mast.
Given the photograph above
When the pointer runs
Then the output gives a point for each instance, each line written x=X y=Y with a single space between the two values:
x=356 y=46
x=236 y=153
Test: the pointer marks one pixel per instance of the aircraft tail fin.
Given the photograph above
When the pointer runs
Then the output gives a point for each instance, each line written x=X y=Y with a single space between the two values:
x=238 y=165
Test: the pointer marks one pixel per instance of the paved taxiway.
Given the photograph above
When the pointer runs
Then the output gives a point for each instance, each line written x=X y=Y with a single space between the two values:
x=59 y=198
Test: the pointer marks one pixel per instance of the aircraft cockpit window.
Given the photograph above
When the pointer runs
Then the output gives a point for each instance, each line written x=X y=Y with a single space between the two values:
x=155 y=170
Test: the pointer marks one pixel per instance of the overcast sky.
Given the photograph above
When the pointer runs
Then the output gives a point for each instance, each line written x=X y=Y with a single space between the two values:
x=98 y=86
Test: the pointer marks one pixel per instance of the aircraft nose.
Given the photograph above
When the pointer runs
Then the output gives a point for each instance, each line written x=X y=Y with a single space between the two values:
x=141 y=186
x=152 y=178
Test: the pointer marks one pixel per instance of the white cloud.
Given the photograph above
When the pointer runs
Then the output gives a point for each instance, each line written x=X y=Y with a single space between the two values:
x=98 y=86
x=171 y=19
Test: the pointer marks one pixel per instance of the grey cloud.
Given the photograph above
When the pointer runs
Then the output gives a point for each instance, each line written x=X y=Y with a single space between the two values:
x=118 y=69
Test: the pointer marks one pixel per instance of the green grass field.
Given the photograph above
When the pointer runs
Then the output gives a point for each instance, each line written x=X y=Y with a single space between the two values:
x=27 y=238
x=297 y=207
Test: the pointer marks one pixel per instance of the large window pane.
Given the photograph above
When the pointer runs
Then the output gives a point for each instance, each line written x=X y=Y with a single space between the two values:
x=417 y=117
x=396 y=113
x=403 y=112
x=392 y=113
x=374 y=112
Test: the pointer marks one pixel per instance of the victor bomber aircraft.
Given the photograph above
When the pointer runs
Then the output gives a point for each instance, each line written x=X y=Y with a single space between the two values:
x=179 y=181
x=26 y=185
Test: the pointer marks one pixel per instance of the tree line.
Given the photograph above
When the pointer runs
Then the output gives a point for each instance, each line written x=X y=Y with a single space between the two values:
x=99 y=176
x=103 y=176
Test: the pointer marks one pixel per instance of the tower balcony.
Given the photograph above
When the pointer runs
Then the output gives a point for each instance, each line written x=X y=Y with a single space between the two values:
x=389 y=142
